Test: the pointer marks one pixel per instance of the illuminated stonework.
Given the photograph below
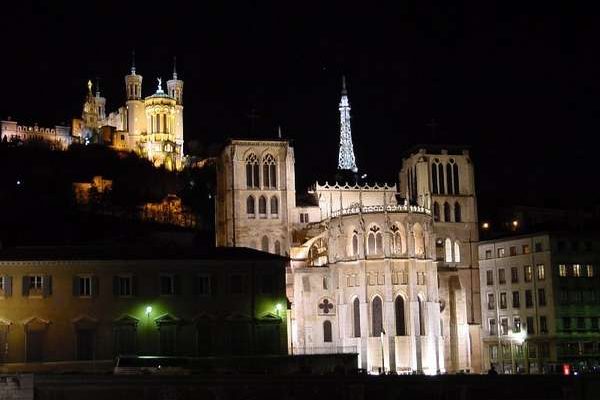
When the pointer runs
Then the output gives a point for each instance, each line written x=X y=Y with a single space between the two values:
x=346 y=160
x=152 y=126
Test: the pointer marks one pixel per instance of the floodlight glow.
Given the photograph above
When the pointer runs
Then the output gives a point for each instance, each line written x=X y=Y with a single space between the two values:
x=148 y=310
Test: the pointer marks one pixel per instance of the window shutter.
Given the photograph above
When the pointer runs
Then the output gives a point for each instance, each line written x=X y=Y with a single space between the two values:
x=176 y=285
x=75 y=286
x=95 y=286
x=7 y=286
x=116 y=285
x=25 y=287
x=134 y=285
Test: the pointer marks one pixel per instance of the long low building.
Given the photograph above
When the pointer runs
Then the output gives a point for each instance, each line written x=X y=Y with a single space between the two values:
x=74 y=303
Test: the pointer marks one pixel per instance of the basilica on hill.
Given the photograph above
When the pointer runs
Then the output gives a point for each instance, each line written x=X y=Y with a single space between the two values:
x=387 y=271
x=150 y=126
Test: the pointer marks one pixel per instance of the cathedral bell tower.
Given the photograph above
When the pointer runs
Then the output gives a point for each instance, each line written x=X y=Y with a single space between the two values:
x=175 y=90
x=136 y=119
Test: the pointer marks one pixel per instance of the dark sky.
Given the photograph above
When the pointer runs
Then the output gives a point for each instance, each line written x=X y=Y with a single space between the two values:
x=518 y=84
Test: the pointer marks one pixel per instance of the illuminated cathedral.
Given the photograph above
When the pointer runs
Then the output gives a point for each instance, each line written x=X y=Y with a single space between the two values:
x=384 y=270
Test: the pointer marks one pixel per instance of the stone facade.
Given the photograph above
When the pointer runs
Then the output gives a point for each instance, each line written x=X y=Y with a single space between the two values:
x=58 y=136
x=367 y=274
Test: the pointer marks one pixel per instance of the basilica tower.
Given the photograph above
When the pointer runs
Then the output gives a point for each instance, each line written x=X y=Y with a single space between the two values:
x=136 y=119
x=175 y=90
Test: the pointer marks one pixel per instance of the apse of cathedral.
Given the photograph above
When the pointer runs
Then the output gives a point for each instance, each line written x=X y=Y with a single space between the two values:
x=383 y=270
x=152 y=126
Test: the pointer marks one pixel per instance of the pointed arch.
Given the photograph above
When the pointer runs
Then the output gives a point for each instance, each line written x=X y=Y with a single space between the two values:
x=269 y=171
x=456 y=178
x=434 y=179
x=436 y=211
x=252 y=171
x=277 y=247
x=327 y=332
x=375 y=241
x=441 y=178
x=456 y=251
x=264 y=243
x=449 y=184
x=400 y=316
x=262 y=206
x=457 y=212
x=447 y=213
x=448 y=250
x=250 y=206
x=274 y=206
x=355 y=244
x=356 y=317
x=376 y=316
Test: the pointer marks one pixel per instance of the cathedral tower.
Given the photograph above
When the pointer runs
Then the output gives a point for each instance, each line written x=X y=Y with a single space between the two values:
x=136 y=120
x=175 y=90
x=100 y=104
x=346 y=160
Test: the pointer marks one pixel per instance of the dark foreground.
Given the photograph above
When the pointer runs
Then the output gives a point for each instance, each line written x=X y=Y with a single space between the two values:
x=448 y=387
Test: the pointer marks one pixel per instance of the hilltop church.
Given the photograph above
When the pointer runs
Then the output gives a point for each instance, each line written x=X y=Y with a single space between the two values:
x=150 y=126
x=383 y=270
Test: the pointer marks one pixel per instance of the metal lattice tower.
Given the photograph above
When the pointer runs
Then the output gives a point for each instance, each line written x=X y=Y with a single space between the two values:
x=346 y=160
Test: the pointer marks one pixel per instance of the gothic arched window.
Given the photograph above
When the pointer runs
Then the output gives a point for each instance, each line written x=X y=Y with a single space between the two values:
x=375 y=241
x=262 y=206
x=269 y=171
x=277 y=247
x=377 y=316
x=449 y=185
x=355 y=244
x=356 y=317
x=419 y=240
x=252 y=174
x=250 y=206
x=396 y=247
x=274 y=206
x=456 y=181
x=441 y=178
x=434 y=179
x=400 y=322
x=436 y=211
x=264 y=245
x=421 y=316
x=457 y=215
x=447 y=213
x=456 y=252
x=327 y=336
x=448 y=250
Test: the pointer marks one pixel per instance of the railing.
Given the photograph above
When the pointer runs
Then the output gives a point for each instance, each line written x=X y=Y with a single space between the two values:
x=380 y=209
x=324 y=350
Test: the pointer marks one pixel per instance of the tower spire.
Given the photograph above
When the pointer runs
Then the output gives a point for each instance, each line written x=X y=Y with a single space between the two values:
x=346 y=160
x=175 y=67
x=97 y=87
x=133 y=62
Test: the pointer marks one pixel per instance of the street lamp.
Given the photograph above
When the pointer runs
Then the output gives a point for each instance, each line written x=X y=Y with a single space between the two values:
x=148 y=311
x=278 y=308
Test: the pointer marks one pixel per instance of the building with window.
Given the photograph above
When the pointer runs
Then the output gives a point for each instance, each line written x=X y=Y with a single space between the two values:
x=551 y=305
x=92 y=304
x=375 y=268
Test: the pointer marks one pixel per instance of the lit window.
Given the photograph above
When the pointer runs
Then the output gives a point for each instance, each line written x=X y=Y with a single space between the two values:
x=526 y=249
x=491 y=302
x=517 y=324
x=504 y=326
x=503 y=300
x=541 y=272
x=528 y=273
x=84 y=288
x=35 y=282
x=562 y=270
x=590 y=270
x=576 y=270
x=501 y=252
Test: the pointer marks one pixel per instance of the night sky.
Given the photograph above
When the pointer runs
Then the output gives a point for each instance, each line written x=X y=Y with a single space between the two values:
x=519 y=85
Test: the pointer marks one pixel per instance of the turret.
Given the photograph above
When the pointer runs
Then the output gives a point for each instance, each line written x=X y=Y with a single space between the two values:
x=136 y=119
x=133 y=83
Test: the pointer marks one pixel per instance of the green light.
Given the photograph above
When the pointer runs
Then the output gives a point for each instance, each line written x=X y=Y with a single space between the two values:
x=148 y=310
x=278 y=307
